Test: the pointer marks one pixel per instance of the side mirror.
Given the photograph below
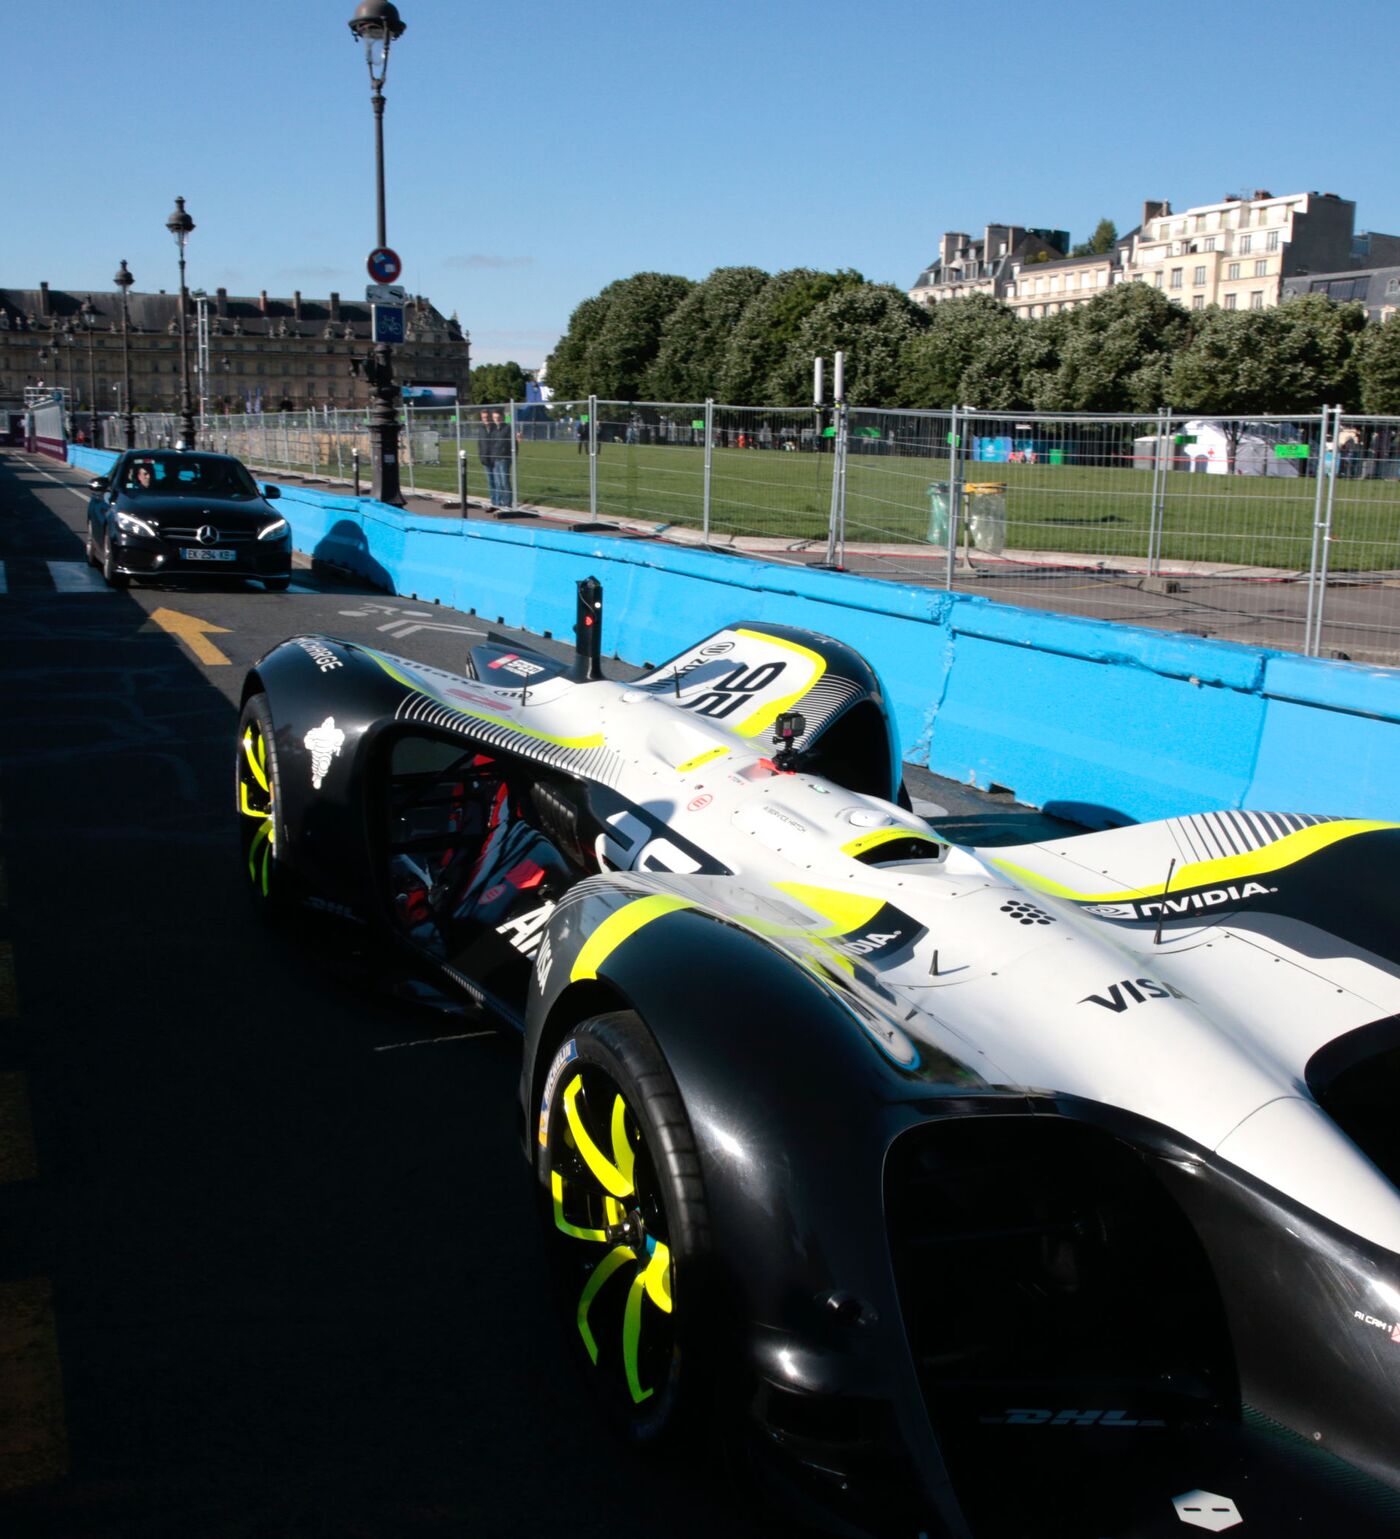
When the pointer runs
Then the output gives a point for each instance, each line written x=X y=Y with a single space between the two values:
x=98 y=484
x=272 y=493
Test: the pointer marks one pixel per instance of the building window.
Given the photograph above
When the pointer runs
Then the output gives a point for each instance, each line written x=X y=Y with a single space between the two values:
x=1271 y=241
x=1200 y=276
x=1392 y=285
x=1256 y=300
x=1176 y=277
x=1208 y=244
x=1246 y=243
x=1198 y=302
x=1230 y=300
x=1233 y=271
x=1261 y=268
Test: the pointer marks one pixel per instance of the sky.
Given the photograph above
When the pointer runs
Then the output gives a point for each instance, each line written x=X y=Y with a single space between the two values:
x=537 y=152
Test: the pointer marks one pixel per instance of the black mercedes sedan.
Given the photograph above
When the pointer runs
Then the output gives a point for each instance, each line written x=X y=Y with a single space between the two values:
x=176 y=514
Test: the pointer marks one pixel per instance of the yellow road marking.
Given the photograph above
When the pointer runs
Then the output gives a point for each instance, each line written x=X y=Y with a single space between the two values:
x=33 y=1435
x=17 y=1158
x=191 y=630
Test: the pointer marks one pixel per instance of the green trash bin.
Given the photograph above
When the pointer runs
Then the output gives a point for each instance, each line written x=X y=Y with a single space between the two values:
x=939 y=506
x=1057 y=456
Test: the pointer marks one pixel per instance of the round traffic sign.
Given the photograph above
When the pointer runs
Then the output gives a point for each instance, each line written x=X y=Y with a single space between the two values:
x=384 y=265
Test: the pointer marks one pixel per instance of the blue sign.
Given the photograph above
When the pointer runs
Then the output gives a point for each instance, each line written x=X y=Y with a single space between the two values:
x=388 y=323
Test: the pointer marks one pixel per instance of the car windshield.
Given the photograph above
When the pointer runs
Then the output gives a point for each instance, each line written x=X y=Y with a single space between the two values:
x=187 y=475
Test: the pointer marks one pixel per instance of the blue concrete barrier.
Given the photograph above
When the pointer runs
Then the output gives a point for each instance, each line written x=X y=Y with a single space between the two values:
x=1107 y=723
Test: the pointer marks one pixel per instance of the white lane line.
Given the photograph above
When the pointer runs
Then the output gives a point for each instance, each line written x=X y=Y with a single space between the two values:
x=461 y=1036
x=76 y=577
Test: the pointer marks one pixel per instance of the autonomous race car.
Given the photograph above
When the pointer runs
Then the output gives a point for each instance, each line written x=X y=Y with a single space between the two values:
x=1033 y=1190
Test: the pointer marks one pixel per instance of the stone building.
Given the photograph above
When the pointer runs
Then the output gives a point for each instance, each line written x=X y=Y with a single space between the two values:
x=1238 y=253
x=966 y=266
x=263 y=353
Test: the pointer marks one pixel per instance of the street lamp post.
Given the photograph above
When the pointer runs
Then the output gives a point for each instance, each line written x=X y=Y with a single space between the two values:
x=377 y=24
x=88 y=311
x=124 y=280
x=63 y=341
x=180 y=224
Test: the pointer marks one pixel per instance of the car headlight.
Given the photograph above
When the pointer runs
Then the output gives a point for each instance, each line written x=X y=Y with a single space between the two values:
x=273 y=531
x=128 y=523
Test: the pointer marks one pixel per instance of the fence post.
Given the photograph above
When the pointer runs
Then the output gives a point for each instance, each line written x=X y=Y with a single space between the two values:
x=954 y=500
x=461 y=459
x=1323 y=533
x=311 y=427
x=1156 y=517
x=1314 y=592
x=709 y=468
x=511 y=422
x=339 y=449
x=355 y=459
x=593 y=458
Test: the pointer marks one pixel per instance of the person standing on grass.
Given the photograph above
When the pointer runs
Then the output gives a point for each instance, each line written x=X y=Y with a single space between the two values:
x=486 y=453
x=499 y=468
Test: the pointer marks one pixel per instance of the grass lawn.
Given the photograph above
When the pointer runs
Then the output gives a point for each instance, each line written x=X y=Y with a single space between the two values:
x=1082 y=510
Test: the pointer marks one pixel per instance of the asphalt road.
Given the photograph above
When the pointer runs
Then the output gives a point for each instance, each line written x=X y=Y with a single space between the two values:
x=269 y=1262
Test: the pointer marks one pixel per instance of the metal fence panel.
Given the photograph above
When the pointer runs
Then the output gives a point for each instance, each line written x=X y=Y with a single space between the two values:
x=1276 y=531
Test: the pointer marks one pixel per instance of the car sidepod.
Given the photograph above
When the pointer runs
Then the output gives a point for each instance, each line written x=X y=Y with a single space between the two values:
x=929 y=1280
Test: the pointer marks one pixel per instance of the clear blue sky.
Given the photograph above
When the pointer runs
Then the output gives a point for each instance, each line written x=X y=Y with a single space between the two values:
x=536 y=152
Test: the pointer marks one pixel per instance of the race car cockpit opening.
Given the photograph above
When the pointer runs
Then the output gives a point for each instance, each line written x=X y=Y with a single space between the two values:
x=855 y=752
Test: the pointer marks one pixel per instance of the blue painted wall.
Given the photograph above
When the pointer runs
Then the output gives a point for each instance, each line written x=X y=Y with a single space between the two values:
x=1109 y=723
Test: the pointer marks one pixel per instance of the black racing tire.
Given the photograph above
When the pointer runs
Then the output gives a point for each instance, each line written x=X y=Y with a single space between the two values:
x=258 y=805
x=110 y=575
x=277 y=584
x=654 y=1391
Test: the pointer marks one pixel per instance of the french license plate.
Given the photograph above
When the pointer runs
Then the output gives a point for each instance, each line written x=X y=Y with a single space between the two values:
x=207 y=555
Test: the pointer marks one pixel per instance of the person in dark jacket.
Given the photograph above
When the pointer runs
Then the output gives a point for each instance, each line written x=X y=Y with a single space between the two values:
x=486 y=453
x=499 y=469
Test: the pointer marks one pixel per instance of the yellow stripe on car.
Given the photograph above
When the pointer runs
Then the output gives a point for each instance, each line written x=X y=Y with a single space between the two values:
x=879 y=836
x=699 y=759
x=766 y=715
x=618 y=927
x=845 y=911
x=1283 y=852
x=594 y=740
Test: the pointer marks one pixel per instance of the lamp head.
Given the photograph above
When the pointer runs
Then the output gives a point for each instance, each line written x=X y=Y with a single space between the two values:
x=180 y=224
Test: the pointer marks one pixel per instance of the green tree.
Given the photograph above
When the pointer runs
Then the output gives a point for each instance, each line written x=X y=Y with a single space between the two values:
x=1318 y=344
x=1114 y=353
x=1293 y=358
x=768 y=328
x=622 y=354
x=1100 y=243
x=873 y=325
x=493 y=382
x=1379 y=368
x=959 y=335
x=695 y=339
x=568 y=368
